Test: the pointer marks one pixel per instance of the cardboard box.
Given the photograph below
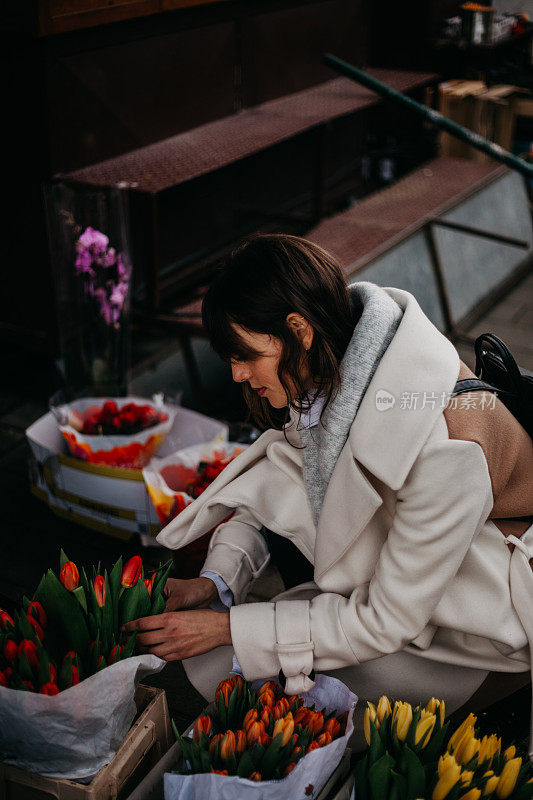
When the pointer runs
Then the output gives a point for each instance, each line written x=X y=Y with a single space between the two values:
x=149 y=738
x=110 y=500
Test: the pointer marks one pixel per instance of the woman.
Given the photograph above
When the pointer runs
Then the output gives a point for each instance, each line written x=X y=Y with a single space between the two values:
x=400 y=502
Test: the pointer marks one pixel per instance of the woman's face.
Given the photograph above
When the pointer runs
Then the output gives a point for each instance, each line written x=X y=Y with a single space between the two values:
x=262 y=371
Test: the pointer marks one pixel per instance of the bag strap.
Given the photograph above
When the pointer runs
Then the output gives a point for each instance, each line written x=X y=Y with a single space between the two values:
x=491 y=342
x=471 y=385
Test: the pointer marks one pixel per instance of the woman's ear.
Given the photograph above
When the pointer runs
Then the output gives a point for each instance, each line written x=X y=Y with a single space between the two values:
x=301 y=327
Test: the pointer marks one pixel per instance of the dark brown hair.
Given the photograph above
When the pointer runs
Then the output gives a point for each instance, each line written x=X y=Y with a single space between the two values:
x=265 y=278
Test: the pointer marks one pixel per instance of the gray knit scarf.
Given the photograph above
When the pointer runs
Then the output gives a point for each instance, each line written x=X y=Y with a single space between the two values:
x=379 y=318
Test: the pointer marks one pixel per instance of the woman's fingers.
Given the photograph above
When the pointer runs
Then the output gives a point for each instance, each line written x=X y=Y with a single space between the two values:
x=146 y=623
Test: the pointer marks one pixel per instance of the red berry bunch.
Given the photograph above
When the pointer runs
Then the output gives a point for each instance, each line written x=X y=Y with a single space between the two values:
x=129 y=419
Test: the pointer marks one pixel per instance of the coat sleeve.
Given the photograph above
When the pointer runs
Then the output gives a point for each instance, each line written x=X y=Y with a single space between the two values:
x=441 y=507
x=238 y=552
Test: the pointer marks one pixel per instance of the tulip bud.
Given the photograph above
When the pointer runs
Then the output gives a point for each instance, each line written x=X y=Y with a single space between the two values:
x=71 y=654
x=491 y=785
x=254 y=731
x=370 y=717
x=131 y=572
x=219 y=772
x=267 y=686
x=315 y=722
x=3 y=680
x=264 y=740
x=488 y=747
x=472 y=794
x=294 y=701
x=240 y=742
x=469 y=722
x=11 y=652
x=445 y=761
x=424 y=728
x=148 y=584
x=301 y=716
x=507 y=781
x=265 y=716
x=69 y=576
x=202 y=726
x=49 y=689
x=100 y=664
x=36 y=627
x=466 y=777
x=251 y=716
x=447 y=781
x=53 y=673
x=280 y=708
x=288 y=769
x=29 y=686
x=333 y=727
x=383 y=710
x=255 y=776
x=467 y=747
x=6 y=622
x=115 y=654
x=227 y=746
x=284 y=726
x=29 y=649
x=402 y=718
x=36 y=611
x=99 y=590
x=313 y=746
x=510 y=753
x=324 y=739
x=267 y=698
x=224 y=690
x=213 y=745
x=296 y=752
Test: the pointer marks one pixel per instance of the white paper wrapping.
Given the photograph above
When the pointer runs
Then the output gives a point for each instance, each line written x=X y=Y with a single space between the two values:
x=74 y=733
x=311 y=771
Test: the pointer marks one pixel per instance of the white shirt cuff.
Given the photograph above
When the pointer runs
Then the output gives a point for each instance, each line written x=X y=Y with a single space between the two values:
x=225 y=595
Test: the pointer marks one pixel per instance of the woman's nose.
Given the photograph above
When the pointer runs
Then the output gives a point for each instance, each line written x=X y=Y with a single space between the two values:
x=240 y=372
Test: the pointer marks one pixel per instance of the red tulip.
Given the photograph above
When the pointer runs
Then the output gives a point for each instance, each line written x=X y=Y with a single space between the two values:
x=37 y=628
x=213 y=744
x=131 y=572
x=69 y=576
x=29 y=649
x=115 y=654
x=219 y=772
x=289 y=768
x=324 y=739
x=312 y=746
x=201 y=726
x=53 y=673
x=99 y=590
x=333 y=727
x=11 y=651
x=240 y=742
x=268 y=686
x=225 y=689
x=49 y=689
x=8 y=672
x=100 y=664
x=148 y=584
x=72 y=655
x=29 y=686
x=5 y=620
x=315 y=722
x=3 y=680
x=36 y=611
x=255 y=776
x=227 y=746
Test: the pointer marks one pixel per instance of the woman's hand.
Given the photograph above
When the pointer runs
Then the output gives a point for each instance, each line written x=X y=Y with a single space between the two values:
x=181 y=634
x=192 y=593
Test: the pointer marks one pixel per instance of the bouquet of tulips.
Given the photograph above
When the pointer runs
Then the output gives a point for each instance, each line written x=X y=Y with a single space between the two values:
x=259 y=736
x=411 y=756
x=71 y=628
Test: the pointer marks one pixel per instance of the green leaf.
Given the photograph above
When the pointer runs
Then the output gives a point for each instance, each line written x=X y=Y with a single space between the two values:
x=65 y=674
x=271 y=756
x=161 y=578
x=158 y=605
x=246 y=765
x=62 y=559
x=416 y=777
x=379 y=777
x=399 y=786
x=24 y=669
x=64 y=615
x=377 y=748
x=44 y=668
x=410 y=738
x=129 y=646
x=79 y=594
x=107 y=617
x=135 y=603
x=433 y=750
x=25 y=603
x=361 y=778
x=114 y=583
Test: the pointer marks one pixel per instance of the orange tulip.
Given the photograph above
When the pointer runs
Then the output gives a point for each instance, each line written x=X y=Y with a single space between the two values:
x=333 y=727
x=315 y=722
x=99 y=590
x=284 y=726
x=69 y=575
x=131 y=572
x=265 y=739
x=281 y=708
x=255 y=776
x=29 y=649
x=254 y=732
x=251 y=716
x=324 y=739
x=213 y=744
x=148 y=584
x=224 y=689
x=342 y=719
x=301 y=716
x=37 y=628
x=312 y=746
x=265 y=716
x=267 y=686
x=49 y=689
x=240 y=742
x=227 y=746
x=36 y=611
x=219 y=772
x=267 y=698
x=5 y=620
x=289 y=768
x=10 y=651
x=296 y=752
x=201 y=726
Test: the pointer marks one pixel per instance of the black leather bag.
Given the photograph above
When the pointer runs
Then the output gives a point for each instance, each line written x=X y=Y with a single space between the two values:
x=498 y=372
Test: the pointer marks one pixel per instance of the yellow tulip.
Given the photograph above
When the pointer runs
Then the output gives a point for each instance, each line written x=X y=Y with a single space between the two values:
x=491 y=785
x=383 y=710
x=488 y=773
x=510 y=753
x=404 y=717
x=370 y=716
x=508 y=778
x=466 y=777
x=472 y=794
x=487 y=748
x=446 y=781
x=469 y=722
x=467 y=747
x=424 y=728
x=445 y=761
x=433 y=705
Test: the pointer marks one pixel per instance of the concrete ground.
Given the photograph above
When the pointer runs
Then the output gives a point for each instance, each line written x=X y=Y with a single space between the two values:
x=33 y=535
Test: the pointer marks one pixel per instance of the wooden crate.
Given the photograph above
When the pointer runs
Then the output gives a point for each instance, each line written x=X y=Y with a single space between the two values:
x=149 y=738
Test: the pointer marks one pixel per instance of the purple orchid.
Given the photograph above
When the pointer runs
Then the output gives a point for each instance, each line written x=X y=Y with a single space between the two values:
x=106 y=276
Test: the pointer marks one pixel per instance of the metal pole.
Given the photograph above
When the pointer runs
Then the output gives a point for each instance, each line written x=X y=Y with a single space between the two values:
x=474 y=139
